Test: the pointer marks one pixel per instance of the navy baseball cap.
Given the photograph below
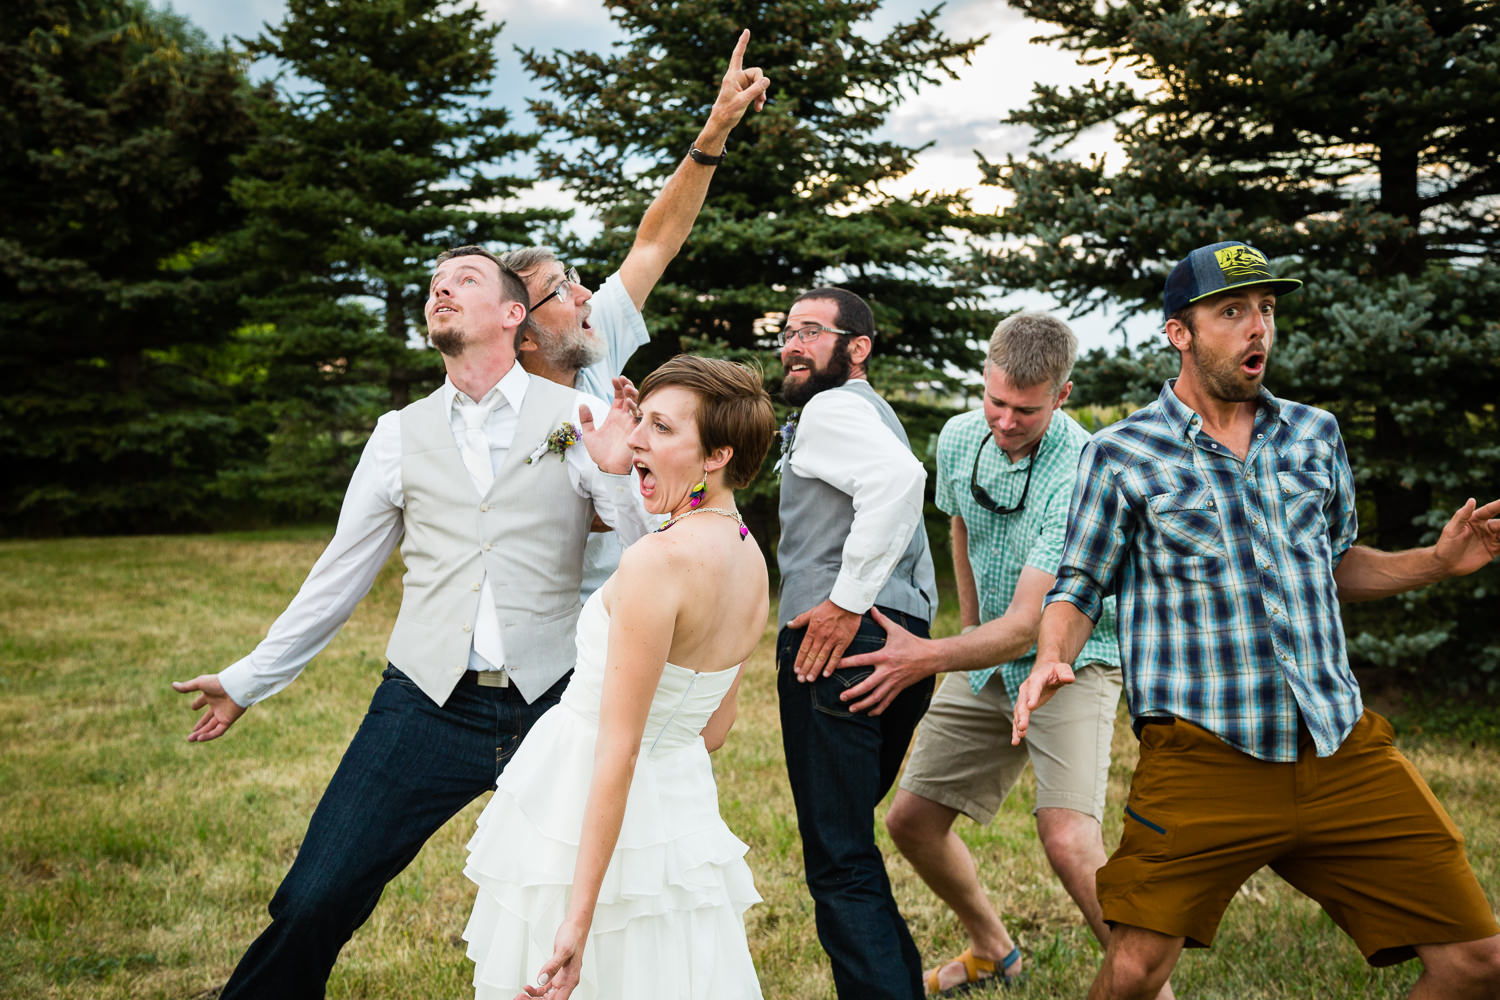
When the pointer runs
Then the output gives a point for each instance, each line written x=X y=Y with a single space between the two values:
x=1217 y=268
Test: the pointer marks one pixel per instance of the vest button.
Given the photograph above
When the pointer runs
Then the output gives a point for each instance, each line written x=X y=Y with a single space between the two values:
x=487 y=546
x=476 y=587
x=484 y=508
x=467 y=627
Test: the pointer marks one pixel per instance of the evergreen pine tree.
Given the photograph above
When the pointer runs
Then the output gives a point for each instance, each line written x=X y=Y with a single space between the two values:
x=382 y=152
x=802 y=197
x=117 y=130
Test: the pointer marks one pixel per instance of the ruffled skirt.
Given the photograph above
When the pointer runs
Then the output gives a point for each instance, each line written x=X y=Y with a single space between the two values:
x=670 y=919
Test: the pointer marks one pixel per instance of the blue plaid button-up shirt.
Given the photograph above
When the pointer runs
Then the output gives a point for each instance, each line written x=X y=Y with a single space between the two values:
x=1228 y=612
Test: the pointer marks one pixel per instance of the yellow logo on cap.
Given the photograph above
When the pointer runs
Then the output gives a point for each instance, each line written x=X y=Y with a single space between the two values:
x=1241 y=262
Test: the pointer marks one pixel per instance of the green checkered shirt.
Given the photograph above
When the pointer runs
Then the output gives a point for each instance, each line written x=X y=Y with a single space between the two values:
x=1001 y=545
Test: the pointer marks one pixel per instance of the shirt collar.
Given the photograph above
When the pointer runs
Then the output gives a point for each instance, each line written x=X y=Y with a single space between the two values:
x=512 y=386
x=1185 y=421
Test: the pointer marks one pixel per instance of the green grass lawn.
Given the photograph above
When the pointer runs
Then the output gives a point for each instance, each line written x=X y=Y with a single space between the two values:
x=138 y=865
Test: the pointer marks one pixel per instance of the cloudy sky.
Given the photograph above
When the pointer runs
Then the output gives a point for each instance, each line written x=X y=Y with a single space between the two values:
x=957 y=117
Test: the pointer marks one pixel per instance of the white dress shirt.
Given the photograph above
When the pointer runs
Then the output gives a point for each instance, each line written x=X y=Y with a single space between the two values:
x=370 y=528
x=842 y=441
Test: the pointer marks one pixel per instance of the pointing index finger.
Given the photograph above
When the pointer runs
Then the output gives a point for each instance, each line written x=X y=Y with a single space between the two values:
x=737 y=60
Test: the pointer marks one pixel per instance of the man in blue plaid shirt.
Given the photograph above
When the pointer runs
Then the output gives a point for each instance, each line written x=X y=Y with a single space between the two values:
x=1223 y=519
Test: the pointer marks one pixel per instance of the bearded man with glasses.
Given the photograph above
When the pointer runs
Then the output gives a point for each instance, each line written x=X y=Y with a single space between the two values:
x=581 y=338
x=1005 y=476
x=852 y=540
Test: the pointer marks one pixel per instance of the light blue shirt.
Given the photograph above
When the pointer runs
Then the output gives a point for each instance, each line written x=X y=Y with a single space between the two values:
x=622 y=328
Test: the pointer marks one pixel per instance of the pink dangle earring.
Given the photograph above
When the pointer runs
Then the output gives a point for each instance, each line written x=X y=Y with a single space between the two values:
x=695 y=495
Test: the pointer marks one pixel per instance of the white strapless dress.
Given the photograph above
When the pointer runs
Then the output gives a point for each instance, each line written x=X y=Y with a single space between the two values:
x=670 y=920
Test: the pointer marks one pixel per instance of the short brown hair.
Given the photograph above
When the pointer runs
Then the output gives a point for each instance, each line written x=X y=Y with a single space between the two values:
x=1032 y=349
x=733 y=409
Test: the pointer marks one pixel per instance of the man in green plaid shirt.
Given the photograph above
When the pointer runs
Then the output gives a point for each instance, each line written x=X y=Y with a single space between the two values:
x=1005 y=475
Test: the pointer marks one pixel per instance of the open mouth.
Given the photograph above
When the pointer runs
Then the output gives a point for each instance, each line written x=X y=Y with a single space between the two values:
x=647 y=479
x=797 y=368
x=1254 y=364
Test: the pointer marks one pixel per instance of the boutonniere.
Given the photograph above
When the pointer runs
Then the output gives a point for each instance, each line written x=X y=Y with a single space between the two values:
x=786 y=433
x=558 y=442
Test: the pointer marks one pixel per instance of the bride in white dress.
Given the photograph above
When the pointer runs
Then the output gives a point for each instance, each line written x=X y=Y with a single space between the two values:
x=604 y=869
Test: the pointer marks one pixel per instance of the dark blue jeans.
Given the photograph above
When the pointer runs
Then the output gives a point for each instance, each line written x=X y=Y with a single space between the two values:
x=411 y=767
x=841 y=764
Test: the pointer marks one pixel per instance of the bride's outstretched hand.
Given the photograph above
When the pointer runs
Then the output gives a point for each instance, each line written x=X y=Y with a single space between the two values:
x=605 y=439
x=560 y=975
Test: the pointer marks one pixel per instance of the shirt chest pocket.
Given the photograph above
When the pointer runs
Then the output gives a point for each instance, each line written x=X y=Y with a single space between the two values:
x=1187 y=522
x=1304 y=497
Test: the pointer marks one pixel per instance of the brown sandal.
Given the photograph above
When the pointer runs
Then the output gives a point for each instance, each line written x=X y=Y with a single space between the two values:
x=977 y=972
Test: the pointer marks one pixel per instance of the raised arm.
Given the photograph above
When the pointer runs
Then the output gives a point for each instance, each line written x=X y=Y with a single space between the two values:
x=666 y=224
x=643 y=599
x=1470 y=540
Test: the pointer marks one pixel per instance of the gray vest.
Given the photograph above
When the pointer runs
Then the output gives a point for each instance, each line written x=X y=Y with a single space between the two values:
x=815 y=521
x=526 y=533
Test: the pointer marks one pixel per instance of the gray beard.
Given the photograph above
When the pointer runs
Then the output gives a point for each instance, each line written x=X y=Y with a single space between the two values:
x=577 y=356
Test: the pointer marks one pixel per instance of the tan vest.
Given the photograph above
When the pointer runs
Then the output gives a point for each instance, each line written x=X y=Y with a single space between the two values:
x=527 y=533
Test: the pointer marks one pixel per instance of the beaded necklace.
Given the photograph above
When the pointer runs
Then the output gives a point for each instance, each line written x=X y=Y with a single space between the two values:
x=744 y=531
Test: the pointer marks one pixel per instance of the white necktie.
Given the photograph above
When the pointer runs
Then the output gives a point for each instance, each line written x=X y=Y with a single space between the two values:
x=475 y=449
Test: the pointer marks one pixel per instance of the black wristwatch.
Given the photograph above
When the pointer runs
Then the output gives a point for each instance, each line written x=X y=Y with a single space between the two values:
x=699 y=156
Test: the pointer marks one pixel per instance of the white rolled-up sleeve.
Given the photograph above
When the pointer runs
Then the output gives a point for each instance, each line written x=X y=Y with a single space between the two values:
x=842 y=441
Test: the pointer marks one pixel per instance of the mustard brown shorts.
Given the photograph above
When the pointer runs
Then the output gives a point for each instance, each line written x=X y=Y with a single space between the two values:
x=1359 y=832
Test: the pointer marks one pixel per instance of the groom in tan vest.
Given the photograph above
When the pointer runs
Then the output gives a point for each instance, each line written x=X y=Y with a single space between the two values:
x=491 y=500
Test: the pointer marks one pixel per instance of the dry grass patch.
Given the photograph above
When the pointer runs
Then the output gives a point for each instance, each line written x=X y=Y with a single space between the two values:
x=136 y=865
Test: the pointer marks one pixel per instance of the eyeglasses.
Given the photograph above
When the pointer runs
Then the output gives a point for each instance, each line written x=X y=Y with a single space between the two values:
x=561 y=293
x=811 y=331
x=983 y=499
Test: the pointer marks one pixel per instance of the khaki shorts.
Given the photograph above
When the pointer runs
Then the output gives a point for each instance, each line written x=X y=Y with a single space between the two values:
x=1359 y=832
x=962 y=757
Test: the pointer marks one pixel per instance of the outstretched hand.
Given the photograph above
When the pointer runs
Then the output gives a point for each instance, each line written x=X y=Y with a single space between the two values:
x=741 y=88
x=898 y=665
x=606 y=439
x=1043 y=683
x=1470 y=539
x=222 y=709
x=560 y=975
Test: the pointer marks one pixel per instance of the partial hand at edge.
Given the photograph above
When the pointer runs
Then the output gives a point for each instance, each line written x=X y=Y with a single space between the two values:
x=1471 y=538
x=222 y=709
x=606 y=441
x=830 y=629
x=898 y=664
x=1036 y=689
